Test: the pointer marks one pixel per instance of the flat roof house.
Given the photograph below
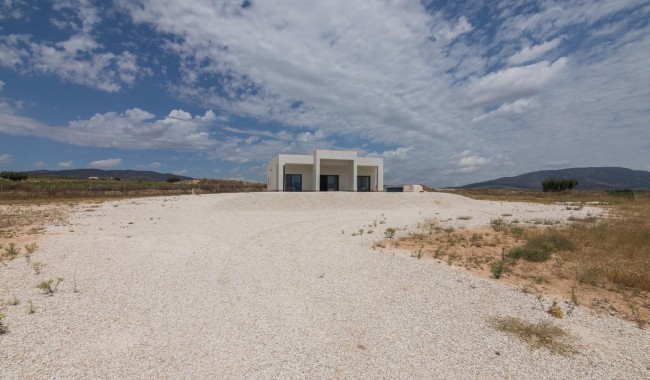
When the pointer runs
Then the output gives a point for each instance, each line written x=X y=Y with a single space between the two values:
x=325 y=170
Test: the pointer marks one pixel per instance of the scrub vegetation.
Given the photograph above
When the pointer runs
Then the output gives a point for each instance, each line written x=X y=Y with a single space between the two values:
x=605 y=262
x=57 y=189
x=536 y=335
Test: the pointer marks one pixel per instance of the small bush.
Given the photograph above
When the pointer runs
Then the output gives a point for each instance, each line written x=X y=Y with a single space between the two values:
x=173 y=179
x=536 y=255
x=390 y=232
x=498 y=224
x=11 y=251
x=539 y=248
x=497 y=268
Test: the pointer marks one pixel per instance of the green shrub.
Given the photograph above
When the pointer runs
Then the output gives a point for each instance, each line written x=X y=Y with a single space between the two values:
x=498 y=267
x=498 y=224
x=173 y=179
x=539 y=248
x=14 y=176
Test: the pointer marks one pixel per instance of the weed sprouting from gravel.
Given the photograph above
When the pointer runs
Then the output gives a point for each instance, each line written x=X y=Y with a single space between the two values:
x=3 y=326
x=30 y=249
x=13 y=301
x=47 y=288
x=11 y=251
x=38 y=266
x=555 y=310
x=537 y=335
x=390 y=232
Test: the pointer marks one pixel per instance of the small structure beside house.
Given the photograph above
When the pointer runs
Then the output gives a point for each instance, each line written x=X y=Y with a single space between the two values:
x=325 y=170
x=405 y=189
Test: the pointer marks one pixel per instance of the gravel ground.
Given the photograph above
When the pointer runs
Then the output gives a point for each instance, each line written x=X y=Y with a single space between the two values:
x=272 y=285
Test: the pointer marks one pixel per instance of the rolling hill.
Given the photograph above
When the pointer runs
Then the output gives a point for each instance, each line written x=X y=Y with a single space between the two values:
x=593 y=178
x=105 y=174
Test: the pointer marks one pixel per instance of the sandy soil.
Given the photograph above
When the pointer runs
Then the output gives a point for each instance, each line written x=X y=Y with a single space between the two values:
x=271 y=285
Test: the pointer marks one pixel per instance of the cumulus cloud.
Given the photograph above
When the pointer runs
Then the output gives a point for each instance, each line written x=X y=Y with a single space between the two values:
x=64 y=164
x=131 y=129
x=39 y=164
x=107 y=163
x=5 y=158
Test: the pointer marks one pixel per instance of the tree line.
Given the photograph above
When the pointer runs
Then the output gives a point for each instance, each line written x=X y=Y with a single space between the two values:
x=558 y=184
x=14 y=176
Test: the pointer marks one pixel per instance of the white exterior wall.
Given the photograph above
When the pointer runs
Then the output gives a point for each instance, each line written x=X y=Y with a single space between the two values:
x=345 y=164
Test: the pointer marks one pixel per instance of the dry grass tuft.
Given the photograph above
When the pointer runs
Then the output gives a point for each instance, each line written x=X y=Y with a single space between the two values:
x=537 y=335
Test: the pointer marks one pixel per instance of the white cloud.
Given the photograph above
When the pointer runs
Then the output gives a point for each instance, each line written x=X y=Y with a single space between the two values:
x=5 y=158
x=513 y=83
x=466 y=162
x=450 y=33
x=64 y=164
x=107 y=163
x=180 y=172
x=78 y=59
x=131 y=129
x=531 y=53
x=517 y=107
x=2 y=85
x=39 y=164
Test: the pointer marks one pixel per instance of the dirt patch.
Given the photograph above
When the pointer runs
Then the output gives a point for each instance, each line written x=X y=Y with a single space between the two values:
x=479 y=249
x=24 y=223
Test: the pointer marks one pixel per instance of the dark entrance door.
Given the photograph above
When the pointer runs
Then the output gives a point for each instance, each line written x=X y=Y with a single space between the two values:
x=363 y=183
x=329 y=183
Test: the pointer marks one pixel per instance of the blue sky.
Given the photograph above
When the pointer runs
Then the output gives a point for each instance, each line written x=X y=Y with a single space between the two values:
x=448 y=92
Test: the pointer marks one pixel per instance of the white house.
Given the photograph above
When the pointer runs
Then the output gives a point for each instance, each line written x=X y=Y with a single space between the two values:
x=325 y=170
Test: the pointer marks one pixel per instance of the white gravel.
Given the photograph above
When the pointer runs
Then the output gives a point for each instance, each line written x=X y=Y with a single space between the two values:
x=266 y=285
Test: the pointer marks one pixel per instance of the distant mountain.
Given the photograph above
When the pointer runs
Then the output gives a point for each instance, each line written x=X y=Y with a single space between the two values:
x=604 y=178
x=105 y=174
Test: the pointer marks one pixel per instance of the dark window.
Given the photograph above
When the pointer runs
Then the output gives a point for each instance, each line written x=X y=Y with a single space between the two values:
x=363 y=183
x=293 y=182
x=329 y=183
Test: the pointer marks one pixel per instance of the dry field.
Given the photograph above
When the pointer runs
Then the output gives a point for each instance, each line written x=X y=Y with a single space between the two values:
x=271 y=285
x=601 y=263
